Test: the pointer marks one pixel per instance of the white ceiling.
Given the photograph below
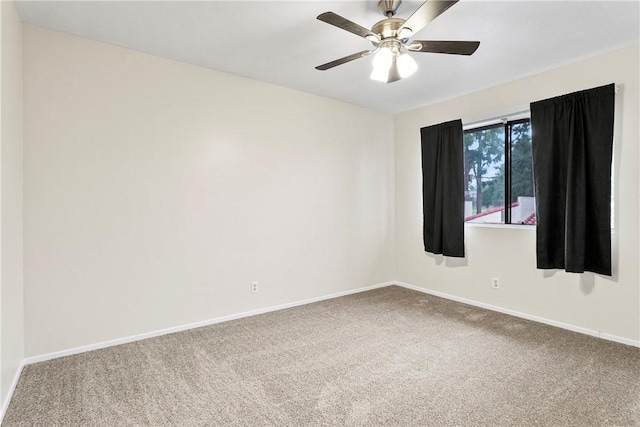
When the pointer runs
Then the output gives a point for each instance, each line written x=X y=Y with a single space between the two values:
x=281 y=42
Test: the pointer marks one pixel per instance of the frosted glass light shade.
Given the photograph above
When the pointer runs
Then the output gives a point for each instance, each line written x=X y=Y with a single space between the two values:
x=390 y=65
x=380 y=75
x=406 y=65
x=383 y=59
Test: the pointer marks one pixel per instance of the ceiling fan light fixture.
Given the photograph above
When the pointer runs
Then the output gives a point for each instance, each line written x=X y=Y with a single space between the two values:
x=379 y=75
x=383 y=59
x=382 y=62
x=406 y=65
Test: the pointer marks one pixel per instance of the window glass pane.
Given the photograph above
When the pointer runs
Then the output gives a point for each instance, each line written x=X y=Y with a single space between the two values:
x=484 y=175
x=523 y=210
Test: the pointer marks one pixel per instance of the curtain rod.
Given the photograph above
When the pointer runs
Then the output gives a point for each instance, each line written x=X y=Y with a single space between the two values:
x=505 y=117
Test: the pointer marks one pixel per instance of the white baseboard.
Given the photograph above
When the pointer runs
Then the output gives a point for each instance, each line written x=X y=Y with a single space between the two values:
x=133 y=338
x=538 y=319
x=618 y=339
x=5 y=405
x=171 y=330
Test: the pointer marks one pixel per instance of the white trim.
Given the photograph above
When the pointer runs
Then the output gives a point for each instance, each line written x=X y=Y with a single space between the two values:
x=503 y=226
x=5 y=405
x=538 y=319
x=180 y=328
x=620 y=340
x=507 y=115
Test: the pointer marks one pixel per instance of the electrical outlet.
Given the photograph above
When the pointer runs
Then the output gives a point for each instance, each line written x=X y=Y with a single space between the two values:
x=495 y=282
x=254 y=287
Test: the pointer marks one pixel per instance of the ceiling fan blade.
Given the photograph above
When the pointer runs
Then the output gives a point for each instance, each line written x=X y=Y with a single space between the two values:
x=341 y=61
x=345 y=24
x=450 y=47
x=426 y=13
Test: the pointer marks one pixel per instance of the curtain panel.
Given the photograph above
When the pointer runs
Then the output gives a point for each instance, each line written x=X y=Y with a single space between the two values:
x=572 y=137
x=443 y=188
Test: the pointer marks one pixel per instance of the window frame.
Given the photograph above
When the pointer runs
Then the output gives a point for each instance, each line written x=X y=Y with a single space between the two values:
x=506 y=124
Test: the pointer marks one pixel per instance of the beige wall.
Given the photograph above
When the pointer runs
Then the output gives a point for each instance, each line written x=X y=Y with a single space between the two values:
x=606 y=305
x=156 y=191
x=11 y=266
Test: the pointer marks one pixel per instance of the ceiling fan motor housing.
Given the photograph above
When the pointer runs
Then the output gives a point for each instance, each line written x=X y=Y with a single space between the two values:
x=387 y=28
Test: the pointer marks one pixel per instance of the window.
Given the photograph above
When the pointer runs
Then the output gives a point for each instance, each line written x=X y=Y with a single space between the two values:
x=499 y=185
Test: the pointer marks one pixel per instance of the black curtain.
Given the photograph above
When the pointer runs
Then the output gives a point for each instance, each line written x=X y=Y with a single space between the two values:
x=572 y=137
x=443 y=188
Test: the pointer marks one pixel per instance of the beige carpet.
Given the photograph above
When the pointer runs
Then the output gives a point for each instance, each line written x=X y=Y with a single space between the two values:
x=390 y=356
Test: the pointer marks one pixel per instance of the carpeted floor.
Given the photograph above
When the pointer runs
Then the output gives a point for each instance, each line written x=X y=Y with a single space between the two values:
x=391 y=356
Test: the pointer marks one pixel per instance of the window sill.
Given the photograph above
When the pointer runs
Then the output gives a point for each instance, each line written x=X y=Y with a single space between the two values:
x=509 y=226
x=504 y=226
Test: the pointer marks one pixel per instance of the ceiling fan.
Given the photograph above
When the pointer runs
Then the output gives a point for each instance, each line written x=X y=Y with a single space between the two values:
x=390 y=38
